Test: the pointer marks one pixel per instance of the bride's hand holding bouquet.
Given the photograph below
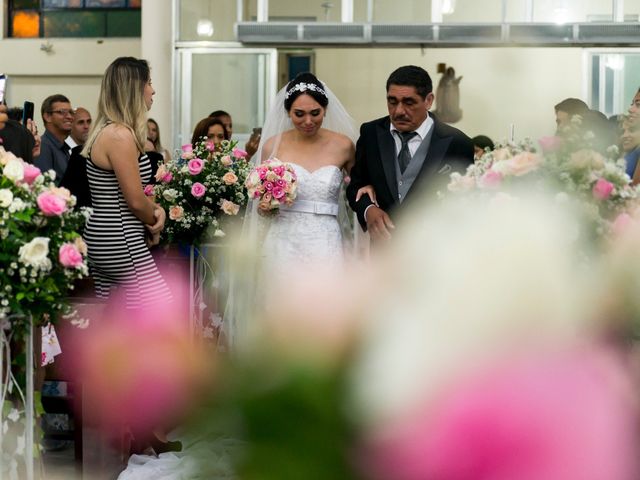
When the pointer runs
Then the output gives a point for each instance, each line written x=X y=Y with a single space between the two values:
x=273 y=184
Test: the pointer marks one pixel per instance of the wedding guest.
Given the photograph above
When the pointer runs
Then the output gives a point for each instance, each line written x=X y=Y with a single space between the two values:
x=57 y=115
x=480 y=144
x=16 y=138
x=631 y=147
x=15 y=113
x=79 y=128
x=118 y=169
x=75 y=177
x=153 y=135
x=566 y=109
x=212 y=128
x=634 y=108
x=251 y=147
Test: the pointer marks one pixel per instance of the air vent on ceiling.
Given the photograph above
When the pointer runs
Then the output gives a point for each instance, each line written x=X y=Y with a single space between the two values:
x=260 y=32
x=470 y=33
x=333 y=33
x=401 y=33
x=612 y=33
x=541 y=33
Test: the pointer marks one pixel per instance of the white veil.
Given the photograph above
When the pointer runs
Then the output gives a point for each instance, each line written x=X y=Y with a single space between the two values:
x=243 y=294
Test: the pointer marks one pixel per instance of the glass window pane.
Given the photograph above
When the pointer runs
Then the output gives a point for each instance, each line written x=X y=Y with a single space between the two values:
x=25 y=24
x=631 y=10
x=407 y=11
x=470 y=11
x=26 y=4
x=106 y=3
x=286 y=10
x=563 y=11
x=124 y=23
x=195 y=13
x=62 y=4
x=216 y=80
x=74 y=24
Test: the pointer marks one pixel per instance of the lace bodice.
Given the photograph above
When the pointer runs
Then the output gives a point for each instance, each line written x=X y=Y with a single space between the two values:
x=299 y=237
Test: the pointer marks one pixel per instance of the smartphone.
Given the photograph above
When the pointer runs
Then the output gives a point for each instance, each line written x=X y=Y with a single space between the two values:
x=3 y=88
x=27 y=112
x=255 y=135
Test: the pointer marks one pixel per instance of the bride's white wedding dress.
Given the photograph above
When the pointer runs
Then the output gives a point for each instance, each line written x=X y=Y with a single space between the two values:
x=308 y=231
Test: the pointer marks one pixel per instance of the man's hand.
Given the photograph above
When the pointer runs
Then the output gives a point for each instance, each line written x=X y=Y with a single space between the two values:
x=378 y=223
x=3 y=116
x=160 y=217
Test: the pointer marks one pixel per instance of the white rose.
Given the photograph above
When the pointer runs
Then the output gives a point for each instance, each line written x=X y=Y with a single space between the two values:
x=6 y=197
x=170 y=195
x=35 y=253
x=14 y=170
x=17 y=205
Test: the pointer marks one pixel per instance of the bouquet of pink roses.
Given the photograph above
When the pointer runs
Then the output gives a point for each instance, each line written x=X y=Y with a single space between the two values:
x=273 y=183
x=201 y=190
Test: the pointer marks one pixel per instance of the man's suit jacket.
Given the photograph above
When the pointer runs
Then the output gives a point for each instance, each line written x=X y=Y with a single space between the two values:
x=449 y=150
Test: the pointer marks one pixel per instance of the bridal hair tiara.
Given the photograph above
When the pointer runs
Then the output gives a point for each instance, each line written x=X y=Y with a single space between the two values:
x=301 y=87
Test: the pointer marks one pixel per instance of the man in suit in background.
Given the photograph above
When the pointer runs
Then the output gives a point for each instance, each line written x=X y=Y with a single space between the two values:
x=403 y=153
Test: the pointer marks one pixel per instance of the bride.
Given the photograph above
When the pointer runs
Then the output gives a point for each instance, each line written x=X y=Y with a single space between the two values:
x=308 y=128
x=316 y=138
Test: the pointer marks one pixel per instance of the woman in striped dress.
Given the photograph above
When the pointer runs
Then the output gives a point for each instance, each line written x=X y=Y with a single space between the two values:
x=124 y=220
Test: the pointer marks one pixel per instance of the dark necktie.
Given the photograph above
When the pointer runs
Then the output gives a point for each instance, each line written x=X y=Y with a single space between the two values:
x=404 y=157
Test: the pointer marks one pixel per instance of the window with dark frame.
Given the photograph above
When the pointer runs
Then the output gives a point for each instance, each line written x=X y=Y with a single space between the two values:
x=74 y=18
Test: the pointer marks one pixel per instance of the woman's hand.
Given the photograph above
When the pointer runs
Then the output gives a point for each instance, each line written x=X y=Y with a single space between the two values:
x=160 y=217
x=152 y=239
x=367 y=190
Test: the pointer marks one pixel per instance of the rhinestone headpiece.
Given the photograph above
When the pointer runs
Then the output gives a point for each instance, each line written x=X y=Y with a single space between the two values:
x=301 y=87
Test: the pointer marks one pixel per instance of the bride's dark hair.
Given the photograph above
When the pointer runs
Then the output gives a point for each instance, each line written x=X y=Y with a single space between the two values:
x=305 y=83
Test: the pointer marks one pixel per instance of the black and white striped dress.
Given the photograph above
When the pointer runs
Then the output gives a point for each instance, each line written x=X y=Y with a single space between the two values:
x=118 y=255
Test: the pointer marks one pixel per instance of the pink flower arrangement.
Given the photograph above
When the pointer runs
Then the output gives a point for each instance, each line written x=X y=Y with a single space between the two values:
x=195 y=166
x=491 y=179
x=602 y=189
x=149 y=190
x=193 y=188
x=70 y=256
x=198 y=190
x=272 y=184
x=51 y=204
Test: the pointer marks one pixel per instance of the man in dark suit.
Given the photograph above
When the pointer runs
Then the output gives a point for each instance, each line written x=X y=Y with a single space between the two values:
x=403 y=153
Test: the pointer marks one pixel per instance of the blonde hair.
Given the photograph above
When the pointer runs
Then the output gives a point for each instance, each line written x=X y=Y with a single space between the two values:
x=121 y=100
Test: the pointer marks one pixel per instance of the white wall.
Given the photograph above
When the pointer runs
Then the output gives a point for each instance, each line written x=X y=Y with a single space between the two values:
x=73 y=68
x=500 y=86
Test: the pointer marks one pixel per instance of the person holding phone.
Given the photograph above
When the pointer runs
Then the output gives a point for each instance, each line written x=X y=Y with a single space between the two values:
x=14 y=137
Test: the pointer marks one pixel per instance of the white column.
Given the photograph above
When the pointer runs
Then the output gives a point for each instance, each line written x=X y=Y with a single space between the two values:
x=157 y=49
x=618 y=10
x=347 y=11
x=436 y=11
x=263 y=11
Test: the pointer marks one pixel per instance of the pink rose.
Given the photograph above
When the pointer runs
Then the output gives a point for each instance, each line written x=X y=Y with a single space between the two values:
x=229 y=208
x=281 y=183
x=238 y=153
x=268 y=186
x=161 y=172
x=602 y=189
x=491 y=179
x=198 y=190
x=278 y=192
x=195 y=166
x=226 y=161
x=70 y=256
x=51 y=204
x=229 y=178
x=149 y=190
x=211 y=146
x=262 y=171
x=279 y=170
x=31 y=172
x=187 y=152
x=523 y=163
x=167 y=177
x=550 y=144
x=176 y=212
